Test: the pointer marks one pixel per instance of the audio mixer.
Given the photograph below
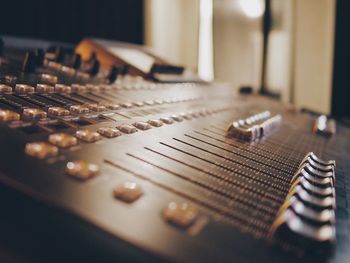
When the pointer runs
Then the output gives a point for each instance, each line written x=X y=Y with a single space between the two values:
x=104 y=159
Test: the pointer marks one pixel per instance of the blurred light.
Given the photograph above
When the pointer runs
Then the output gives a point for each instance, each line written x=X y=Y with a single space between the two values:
x=252 y=8
x=205 y=53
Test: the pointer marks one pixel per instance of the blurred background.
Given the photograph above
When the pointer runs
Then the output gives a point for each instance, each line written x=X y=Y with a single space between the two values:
x=294 y=50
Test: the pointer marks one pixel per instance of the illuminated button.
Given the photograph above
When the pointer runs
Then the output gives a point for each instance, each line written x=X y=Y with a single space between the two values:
x=63 y=140
x=5 y=88
x=44 y=88
x=180 y=214
x=167 y=120
x=128 y=192
x=32 y=113
x=126 y=128
x=79 y=109
x=7 y=115
x=126 y=105
x=177 y=117
x=96 y=107
x=61 y=88
x=24 y=88
x=49 y=78
x=109 y=132
x=88 y=136
x=57 y=111
x=142 y=125
x=156 y=123
x=82 y=170
x=41 y=150
x=112 y=106
x=78 y=88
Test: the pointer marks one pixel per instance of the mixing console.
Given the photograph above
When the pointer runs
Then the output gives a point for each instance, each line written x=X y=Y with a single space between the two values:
x=184 y=172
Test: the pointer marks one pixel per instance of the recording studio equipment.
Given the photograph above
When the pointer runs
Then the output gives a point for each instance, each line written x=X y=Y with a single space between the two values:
x=109 y=158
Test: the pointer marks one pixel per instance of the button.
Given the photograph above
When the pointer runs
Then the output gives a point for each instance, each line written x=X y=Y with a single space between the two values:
x=128 y=192
x=7 y=115
x=186 y=116
x=41 y=150
x=142 y=125
x=92 y=88
x=63 y=140
x=126 y=105
x=96 y=107
x=156 y=123
x=112 y=106
x=61 y=88
x=44 y=88
x=5 y=88
x=126 y=128
x=180 y=214
x=32 y=113
x=68 y=70
x=167 y=120
x=79 y=109
x=176 y=117
x=105 y=87
x=78 y=88
x=138 y=103
x=87 y=135
x=109 y=132
x=57 y=111
x=49 y=78
x=149 y=102
x=81 y=169
x=24 y=89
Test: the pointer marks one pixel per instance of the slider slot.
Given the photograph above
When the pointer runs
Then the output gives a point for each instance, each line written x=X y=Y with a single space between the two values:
x=55 y=100
x=33 y=101
x=11 y=104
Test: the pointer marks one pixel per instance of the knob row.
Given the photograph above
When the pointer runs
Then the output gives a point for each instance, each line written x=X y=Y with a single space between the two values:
x=307 y=216
x=255 y=126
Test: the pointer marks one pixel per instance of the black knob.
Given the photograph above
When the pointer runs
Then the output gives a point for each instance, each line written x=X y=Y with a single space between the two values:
x=40 y=56
x=76 y=61
x=29 y=62
x=94 y=67
x=124 y=70
x=113 y=74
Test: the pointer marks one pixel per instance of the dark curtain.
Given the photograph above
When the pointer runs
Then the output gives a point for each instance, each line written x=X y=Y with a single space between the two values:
x=72 y=20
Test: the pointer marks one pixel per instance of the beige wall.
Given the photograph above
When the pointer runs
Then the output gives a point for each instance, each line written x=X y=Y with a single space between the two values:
x=315 y=21
x=171 y=28
x=237 y=45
